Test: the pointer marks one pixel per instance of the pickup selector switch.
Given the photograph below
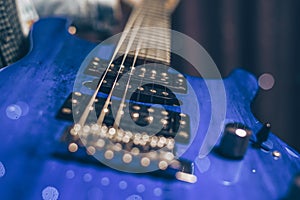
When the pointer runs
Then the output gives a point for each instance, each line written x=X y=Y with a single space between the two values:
x=263 y=134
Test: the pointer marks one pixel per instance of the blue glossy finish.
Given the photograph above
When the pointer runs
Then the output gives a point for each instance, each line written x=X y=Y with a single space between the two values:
x=37 y=86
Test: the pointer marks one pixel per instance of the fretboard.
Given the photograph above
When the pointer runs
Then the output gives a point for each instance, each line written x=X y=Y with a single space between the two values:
x=150 y=25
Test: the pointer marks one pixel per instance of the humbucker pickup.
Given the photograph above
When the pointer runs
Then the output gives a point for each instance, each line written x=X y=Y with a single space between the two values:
x=170 y=123
x=170 y=79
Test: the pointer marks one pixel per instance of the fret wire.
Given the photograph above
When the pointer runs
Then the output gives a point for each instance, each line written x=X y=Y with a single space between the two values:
x=147 y=21
x=152 y=41
x=148 y=55
x=156 y=17
x=132 y=37
x=151 y=44
x=118 y=117
x=86 y=111
x=147 y=45
x=137 y=12
x=121 y=107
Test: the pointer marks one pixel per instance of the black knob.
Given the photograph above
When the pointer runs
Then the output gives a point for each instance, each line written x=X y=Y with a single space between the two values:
x=234 y=142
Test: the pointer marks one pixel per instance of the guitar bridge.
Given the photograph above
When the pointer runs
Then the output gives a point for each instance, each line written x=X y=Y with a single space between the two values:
x=140 y=151
x=75 y=148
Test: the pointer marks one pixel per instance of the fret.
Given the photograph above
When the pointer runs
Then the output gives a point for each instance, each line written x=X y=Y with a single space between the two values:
x=155 y=42
x=151 y=43
x=151 y=35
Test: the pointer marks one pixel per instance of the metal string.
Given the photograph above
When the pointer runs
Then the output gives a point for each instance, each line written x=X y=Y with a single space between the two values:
x=131 y=21
x=131 y=40
x=120 y=110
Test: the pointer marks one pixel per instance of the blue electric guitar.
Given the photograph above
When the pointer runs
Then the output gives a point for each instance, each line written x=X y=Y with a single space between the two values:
x=113 y=121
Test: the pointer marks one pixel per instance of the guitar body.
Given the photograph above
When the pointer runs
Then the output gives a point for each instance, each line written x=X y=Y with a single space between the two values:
x=33 y=91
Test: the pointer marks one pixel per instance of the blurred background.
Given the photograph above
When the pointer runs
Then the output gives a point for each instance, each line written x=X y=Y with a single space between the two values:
x=261 y=36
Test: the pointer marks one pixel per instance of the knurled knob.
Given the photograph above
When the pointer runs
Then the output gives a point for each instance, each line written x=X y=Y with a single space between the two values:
x=234 y=142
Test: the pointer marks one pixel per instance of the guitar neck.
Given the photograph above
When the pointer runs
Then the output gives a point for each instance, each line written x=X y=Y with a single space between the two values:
x=149 y=26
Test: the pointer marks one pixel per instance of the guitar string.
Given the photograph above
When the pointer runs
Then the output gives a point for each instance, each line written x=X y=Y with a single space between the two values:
x=165 y=23
x=155 y=12
x=158 y=53
x=128 y=26
x=121 y=107
x=105 y=107
x=131 y=40
x=87 y=110
x=146 y=23
x=141 y=39
x=147 y=42
x=147 y=55
x=167 y=40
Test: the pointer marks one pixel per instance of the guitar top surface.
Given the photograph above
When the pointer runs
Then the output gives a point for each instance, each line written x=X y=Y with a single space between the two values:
x=33 y=91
